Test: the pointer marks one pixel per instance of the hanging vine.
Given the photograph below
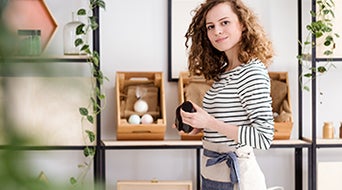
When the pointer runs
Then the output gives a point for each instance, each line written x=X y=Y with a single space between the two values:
x=322 y=30
x=89 y=113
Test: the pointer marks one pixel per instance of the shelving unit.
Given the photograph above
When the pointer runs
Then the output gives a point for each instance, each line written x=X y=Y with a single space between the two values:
x=15 y=67
x=297 y=145
x=315 y=143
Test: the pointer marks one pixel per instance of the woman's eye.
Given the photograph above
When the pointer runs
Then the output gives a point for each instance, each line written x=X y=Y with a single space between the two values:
x=210 y=27
x=225 y=22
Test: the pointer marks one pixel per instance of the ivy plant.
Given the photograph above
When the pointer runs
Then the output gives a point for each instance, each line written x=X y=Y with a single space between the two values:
x=322 y=30
x=88 y=113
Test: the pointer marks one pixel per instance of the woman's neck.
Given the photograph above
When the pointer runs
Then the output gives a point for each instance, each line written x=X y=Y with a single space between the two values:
x=233 y=60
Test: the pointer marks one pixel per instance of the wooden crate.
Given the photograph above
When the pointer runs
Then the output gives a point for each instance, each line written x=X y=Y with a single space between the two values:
x=282 y=130
x=153 y=185
x=125 y=81
x=196 y=84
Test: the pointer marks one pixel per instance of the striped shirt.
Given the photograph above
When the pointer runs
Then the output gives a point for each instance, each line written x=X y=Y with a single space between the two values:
x=242 y=97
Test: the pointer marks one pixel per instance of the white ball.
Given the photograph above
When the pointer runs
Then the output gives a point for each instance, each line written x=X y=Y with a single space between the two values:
x=134 y=119
x=141 y=106
x=146 y=119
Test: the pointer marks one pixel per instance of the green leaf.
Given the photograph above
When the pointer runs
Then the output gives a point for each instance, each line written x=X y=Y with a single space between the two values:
x=80 y=29
x=307 y=43
x=87 y=50
x=89 y=151
x=306 y=88
x=95 y=61
x=309 y=27
x=73 y=181
x=78 y=42
x=326 y=12
x=83 y=111
x=93 y=23
x=308 y=75
x=101 y=4
x=327 y=43
x=93 y=101
x=313 y=13
x=81 y=12
x=328 y=52
x=102 y=97
x=90 y=119
x=91 y=135
x=321 y=69
x=85 y=47
x=318 y=34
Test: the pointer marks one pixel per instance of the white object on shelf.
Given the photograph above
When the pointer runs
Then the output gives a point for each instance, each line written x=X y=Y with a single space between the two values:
x=70 y=36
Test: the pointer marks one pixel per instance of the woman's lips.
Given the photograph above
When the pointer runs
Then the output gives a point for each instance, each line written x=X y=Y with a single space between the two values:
x=220 y=39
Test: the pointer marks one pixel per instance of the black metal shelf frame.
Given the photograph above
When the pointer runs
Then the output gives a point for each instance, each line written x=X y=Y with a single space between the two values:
x=312 y=169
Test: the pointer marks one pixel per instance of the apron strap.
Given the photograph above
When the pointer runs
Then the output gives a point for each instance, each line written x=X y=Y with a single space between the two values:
x=231 y=161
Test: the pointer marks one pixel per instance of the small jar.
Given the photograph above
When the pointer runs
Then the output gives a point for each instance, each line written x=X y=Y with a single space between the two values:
x=328 y=130
x=30 y=42
x=70 y=36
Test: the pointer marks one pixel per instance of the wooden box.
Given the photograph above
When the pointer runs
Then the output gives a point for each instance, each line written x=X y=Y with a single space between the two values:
x=192 y=88
x=154 y=185
x=281 y=104
x=126 y=87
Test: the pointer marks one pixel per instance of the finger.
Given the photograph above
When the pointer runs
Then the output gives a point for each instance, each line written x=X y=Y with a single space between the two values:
x=193 y=132
x=196 y=107
x=185 y=114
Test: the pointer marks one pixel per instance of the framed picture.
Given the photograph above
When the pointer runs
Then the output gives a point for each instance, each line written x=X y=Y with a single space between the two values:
x=31 y=15
x=180 y=13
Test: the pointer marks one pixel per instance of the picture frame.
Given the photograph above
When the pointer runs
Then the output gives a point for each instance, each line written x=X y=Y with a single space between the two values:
x=179 y=18
x=31 y=15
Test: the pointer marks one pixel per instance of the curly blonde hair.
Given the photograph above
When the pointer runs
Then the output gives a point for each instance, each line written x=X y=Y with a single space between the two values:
x=206 y=60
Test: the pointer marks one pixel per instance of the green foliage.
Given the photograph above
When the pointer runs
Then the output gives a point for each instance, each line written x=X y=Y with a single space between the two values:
x=94 y=108
x=321 y=29
x=91 y=135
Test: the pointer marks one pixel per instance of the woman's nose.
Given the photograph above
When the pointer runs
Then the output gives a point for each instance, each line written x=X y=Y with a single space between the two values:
x=218 y=30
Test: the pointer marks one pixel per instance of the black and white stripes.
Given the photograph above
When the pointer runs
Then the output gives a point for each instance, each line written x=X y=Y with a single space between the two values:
x=242 y=97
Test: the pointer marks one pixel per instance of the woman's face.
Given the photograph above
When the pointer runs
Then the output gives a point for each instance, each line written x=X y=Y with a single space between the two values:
x=223 y=27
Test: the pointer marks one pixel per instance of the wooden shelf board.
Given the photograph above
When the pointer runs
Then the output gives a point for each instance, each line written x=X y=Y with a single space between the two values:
x=152 y=143
x=319 y=141
x=190 y=143
x=290 y=141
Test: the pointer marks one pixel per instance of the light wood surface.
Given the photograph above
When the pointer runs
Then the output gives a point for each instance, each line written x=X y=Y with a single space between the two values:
x=187 y=143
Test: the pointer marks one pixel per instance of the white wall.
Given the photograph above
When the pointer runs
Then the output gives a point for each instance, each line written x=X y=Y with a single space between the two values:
x=134 y=38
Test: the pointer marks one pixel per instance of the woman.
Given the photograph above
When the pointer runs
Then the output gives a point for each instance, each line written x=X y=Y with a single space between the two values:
x=231 y=48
